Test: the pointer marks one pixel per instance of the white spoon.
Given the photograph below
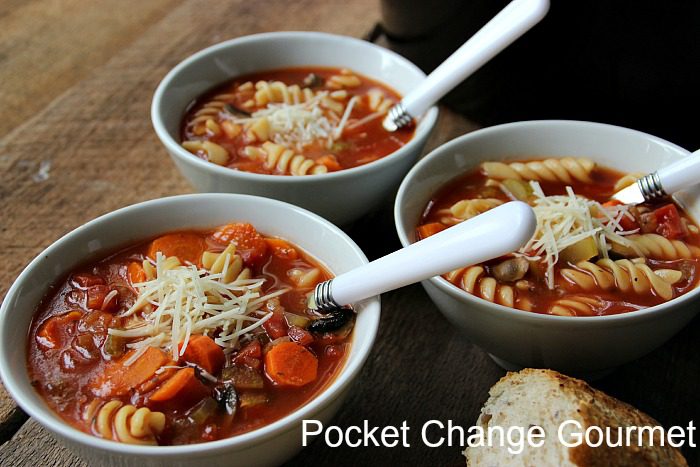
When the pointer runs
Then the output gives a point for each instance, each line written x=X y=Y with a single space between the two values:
x=667 y=180
x=494 y=233
x=508 y=25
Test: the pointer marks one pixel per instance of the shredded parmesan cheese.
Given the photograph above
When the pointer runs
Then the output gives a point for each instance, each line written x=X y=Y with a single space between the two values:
x=564 y=220
x=300 y=124
x=186 y=300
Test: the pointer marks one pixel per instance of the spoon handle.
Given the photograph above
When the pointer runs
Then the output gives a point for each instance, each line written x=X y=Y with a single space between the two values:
x=512 y=22
x=495 y=233
x=681 y=174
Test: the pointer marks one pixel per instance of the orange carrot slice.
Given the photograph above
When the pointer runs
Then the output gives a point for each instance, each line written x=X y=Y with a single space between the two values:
x=291 y=364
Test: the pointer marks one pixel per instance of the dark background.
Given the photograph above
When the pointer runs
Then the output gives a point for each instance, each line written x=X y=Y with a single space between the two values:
x=630 y=63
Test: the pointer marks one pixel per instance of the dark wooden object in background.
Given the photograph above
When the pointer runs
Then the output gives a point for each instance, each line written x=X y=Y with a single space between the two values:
x=77 y=80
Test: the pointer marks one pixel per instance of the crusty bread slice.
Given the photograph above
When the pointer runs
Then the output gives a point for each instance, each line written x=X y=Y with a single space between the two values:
x=546 y=398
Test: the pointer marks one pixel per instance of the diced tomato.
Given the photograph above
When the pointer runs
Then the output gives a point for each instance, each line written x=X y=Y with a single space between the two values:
x=611 y=203
x=250 y=362
x=628 y=223
x=300 y=335
x=282 y=249
x=110 y=303
x=250 y=355
x=87 y=280
x=276 y=326
x=96 y=296
x=252 y=349
x=249 y=243
x=669 y=222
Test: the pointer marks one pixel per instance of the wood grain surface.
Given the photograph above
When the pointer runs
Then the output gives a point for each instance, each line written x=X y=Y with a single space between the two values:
x=76 y=79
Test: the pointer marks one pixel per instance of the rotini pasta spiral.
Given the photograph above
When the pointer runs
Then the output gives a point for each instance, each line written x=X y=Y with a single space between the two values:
x=286 y=162
x=215 y=153
x=278 y=92
x=227 y=263
x=377 y=101
x=346 y=79
x=564 y=170
x=125 y=423
x=657 y=247
x=475 y=281
x=468 y=208
x=627 y=180
x=575 y=305
x=624 y=275
x=304 y=278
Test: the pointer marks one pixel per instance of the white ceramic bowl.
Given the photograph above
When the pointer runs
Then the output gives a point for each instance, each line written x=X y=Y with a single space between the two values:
x=357 y=190
x=515 y=339
x=270 y=445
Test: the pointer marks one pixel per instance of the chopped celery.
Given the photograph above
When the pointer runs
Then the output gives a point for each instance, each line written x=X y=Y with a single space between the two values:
x=114 y=346
x=519 y=189
x=583 y=250
x=251 y=399
x=203 y=410
x=294 y=319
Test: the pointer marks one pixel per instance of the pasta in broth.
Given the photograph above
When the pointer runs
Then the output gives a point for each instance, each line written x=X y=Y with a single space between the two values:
x=295 y=121
x=194 y=336
x=589 y=256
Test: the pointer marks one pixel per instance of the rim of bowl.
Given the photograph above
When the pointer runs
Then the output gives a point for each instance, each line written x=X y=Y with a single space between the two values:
x=445 y=286
x=425 y=124
x=49 y=418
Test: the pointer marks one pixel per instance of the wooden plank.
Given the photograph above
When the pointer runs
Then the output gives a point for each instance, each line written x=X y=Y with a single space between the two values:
x=48 y=46
x=33 y=445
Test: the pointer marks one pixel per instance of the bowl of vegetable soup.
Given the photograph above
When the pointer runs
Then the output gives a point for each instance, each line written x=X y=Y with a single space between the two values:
x=295 y=116
x=600 y=283
x=176 y=332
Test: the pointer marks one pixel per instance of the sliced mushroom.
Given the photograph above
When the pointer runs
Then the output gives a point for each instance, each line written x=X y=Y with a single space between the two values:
x=510 y=270
x=227 y=397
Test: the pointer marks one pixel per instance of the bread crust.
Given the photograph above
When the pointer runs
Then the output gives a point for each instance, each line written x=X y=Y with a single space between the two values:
x=592 y=408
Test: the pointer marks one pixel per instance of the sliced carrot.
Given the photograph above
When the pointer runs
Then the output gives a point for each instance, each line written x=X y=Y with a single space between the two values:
x=51 y=331
x=187 y=247
x=157 y=379
x=611 y=203
x=135 y=273
x=203 y=351
x=291 y=364
x=183 y=386
x=252 y=349
x=282 y=249
x=249 y=243
x=119 y=379
x=426 y=230
x=330 y=161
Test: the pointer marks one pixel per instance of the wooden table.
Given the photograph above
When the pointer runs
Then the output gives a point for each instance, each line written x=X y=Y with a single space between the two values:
x=77 y=79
